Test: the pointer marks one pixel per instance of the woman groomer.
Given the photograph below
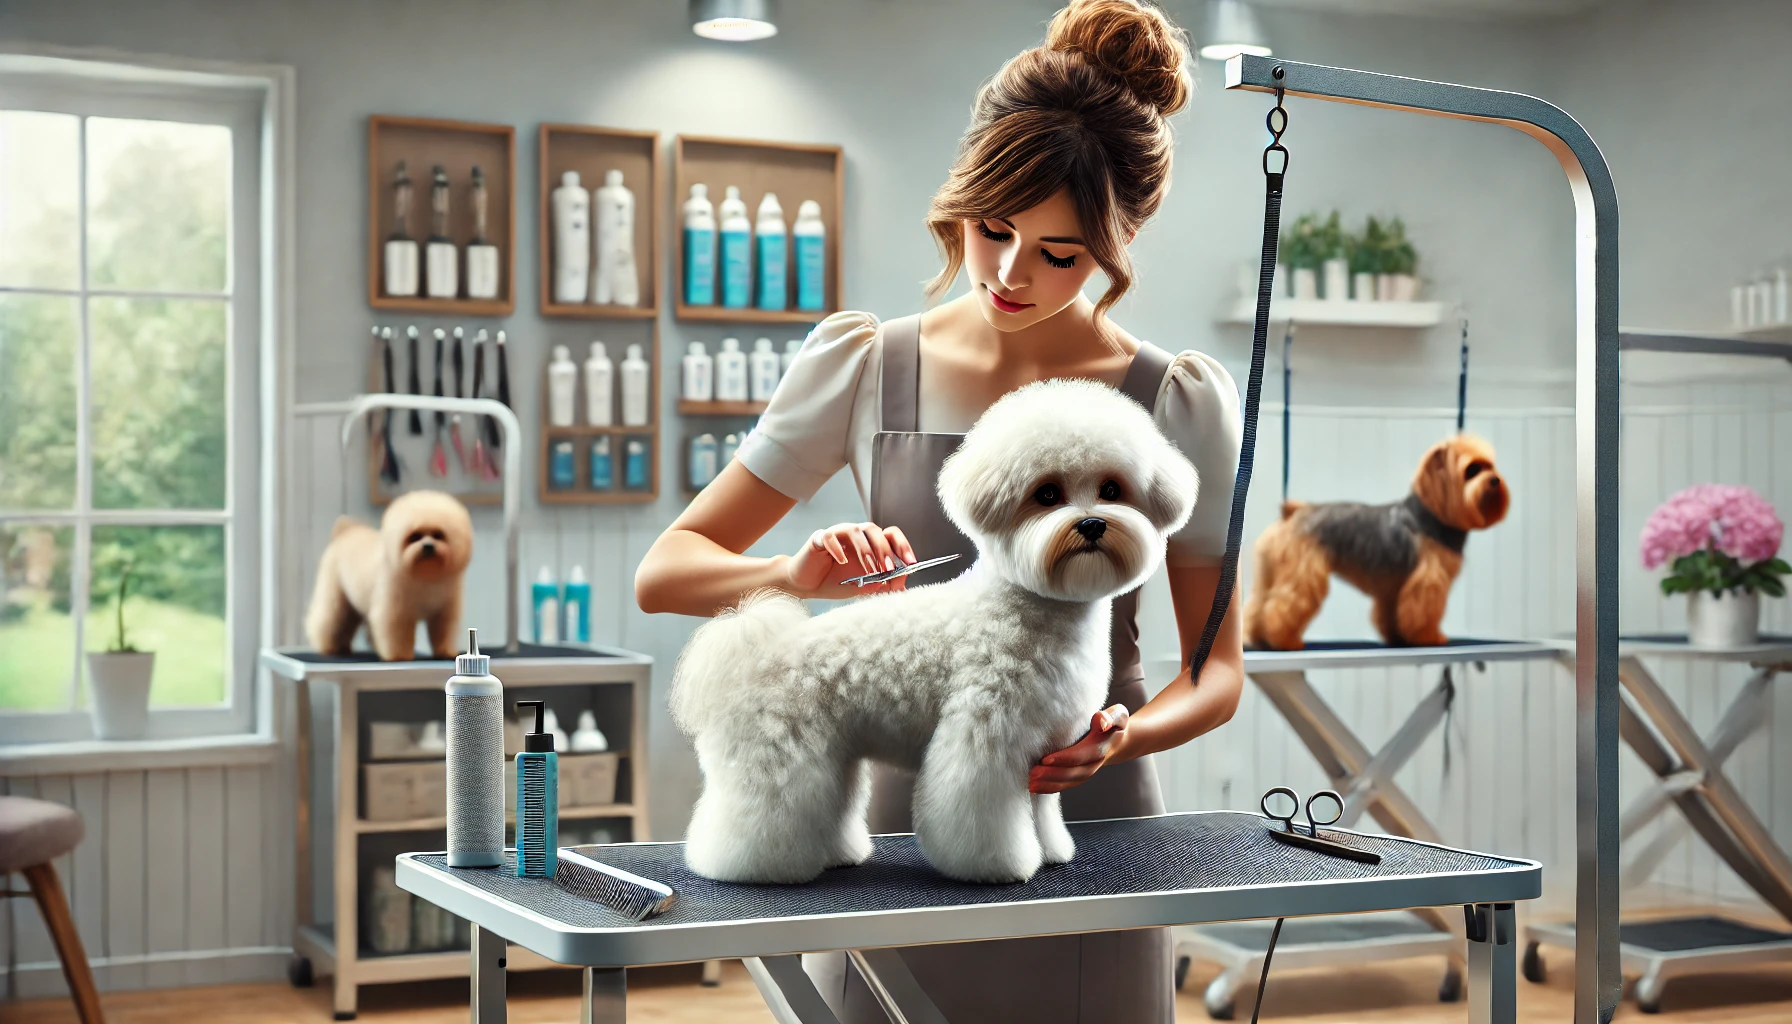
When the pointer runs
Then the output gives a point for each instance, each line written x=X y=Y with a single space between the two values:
x=1067 y=156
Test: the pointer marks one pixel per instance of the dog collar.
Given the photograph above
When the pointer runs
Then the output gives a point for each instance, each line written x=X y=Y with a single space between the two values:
x=1426 y=522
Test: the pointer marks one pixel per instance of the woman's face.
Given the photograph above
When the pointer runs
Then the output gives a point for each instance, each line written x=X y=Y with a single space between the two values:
x=1027 y=266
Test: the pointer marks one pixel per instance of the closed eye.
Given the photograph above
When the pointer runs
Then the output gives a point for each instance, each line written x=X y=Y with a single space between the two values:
x=993 y=235
x=1061 y=262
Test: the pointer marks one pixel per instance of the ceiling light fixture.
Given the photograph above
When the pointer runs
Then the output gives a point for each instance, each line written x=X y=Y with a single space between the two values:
x=1232 y=29
x=734 y=21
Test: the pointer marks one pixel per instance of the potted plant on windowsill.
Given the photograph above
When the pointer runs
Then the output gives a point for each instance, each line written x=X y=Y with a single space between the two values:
x=1723 y=542
x=118 y=678
x=1401 y=264
x=1364 y=253
x=1301 y=250
x=1335 y=266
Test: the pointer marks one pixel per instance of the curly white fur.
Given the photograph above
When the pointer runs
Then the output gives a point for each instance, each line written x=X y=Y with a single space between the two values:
x=968 y=683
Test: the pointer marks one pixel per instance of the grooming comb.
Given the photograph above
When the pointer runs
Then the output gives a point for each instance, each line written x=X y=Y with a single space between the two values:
x=630 y=895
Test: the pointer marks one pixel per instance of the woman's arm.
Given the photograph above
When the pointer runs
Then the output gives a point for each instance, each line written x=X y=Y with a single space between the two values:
x=1177 y=714
x=696 y=567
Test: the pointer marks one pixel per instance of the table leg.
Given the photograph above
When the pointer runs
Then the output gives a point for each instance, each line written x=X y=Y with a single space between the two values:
x=1492 y=963
x=789 y=994
x=606 y=996
x=894 y=987
x=489 y=964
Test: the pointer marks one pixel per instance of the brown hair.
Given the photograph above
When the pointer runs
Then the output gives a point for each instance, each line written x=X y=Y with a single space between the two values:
x=1085 y=112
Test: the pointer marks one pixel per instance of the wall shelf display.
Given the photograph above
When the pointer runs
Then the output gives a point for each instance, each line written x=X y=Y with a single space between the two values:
x=554 y=489
x=795 y=172
x=1767 y=332
x=457 y=147
x=591 y=152
x=686 y=407
x=1337 y=313
x=415 y=453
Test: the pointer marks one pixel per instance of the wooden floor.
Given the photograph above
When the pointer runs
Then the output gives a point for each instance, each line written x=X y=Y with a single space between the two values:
x=1401 y=993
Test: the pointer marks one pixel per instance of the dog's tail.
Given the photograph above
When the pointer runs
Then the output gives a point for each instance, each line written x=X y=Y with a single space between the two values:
x=343 y=523
x=722 y=652
x=1291 y=507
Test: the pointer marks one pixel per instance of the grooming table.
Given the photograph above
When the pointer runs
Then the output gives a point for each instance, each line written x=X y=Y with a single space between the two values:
x=1691 y=772
x=1128 y=873
x=1366 y=782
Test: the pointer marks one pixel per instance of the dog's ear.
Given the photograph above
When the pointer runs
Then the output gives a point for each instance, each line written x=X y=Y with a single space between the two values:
x=973 y=494
x=1170 y=497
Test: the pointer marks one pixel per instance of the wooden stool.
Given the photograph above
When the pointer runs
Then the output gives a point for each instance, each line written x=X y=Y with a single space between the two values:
x=32 y=834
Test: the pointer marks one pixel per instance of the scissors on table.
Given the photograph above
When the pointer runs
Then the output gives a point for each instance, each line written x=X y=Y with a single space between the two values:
x=902 y=570
x=1310 y=839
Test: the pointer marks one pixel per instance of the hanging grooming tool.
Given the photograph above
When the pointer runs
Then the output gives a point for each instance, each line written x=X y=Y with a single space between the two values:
x=899 y=571
x=480 y=463
x=630 y=895
x=1311 y=839
x=460 y=366
x=438 y=455
x=416 y=378
x=1462 y=382
x=1287 y=406
x=492 y=438
x=390 y=471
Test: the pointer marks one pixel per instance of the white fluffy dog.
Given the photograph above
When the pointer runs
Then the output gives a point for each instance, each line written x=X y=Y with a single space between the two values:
x=1069 y=492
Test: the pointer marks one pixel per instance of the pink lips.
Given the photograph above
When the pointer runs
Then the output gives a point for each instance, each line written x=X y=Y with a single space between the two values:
x=1005 y=306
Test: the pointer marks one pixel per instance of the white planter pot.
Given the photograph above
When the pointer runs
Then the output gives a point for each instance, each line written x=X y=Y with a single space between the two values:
x=118 y=686
x=1384 y=287
x=1406 y=288
x=1278 y=286
x=1362 y=287
x=1723 y=620
x=1306 y=284
x=1337 y=280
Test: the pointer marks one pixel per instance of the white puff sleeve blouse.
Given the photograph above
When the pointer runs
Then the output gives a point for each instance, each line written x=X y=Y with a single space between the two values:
x=826 y=411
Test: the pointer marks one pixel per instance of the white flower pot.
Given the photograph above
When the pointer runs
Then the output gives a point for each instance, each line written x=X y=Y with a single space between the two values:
x=1384 y=287
x=1337 y=280
x=118 y=688
x=1723 y=619
x=1406 y=288
x=1362 y=287
x=1306 y=284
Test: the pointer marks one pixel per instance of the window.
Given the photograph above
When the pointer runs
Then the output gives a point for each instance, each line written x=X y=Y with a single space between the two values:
x=130 y=352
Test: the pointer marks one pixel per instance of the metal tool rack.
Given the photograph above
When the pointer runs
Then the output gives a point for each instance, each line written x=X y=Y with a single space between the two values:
x=332 y=946
x=1129 y=873
x=1366 y=781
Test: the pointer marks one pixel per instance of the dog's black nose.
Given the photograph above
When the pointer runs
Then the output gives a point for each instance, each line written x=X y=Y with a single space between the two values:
x=1493 y=483
x=429 y=547
x=1092 y=528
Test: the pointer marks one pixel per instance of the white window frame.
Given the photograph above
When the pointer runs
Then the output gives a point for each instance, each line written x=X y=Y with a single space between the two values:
x=255 y=103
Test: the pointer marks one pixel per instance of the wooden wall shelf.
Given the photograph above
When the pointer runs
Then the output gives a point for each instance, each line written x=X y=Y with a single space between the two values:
x=458 y=146
x=591 y=151
x=583 y=435
x=795 y=172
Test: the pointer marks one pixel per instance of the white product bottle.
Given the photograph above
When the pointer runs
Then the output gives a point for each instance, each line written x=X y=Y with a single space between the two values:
x=730 y=445
x=441 y=257
x=811 y=242
x=737 y=251
x=545 y=597
x=698 y=382
x=572 y=239
x=731 y=372
x=563 y=384
x=586 y=739
x=703 y=461
x=615 y=280
x=699 y=248
x=1782 y=297
x=550 y=724
x=764 y=370
x=475 y=761
x=634 y=388
x=788 y=356
x=772 y=243
x=599 y=386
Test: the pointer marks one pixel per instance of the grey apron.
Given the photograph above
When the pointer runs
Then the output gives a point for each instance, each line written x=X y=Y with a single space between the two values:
x=1097 y=977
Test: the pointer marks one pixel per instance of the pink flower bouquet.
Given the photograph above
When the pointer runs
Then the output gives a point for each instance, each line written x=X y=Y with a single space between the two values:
x=1718 y=537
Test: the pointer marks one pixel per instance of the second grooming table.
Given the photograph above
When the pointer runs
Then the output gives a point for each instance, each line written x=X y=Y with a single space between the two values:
x=1366 y=780
x=1128 y=873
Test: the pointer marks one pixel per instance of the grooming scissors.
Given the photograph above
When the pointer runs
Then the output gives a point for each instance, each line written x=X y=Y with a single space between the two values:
x=900 y=571
x=1310 y=839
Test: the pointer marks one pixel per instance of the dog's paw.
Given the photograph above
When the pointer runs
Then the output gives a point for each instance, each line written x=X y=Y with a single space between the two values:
x=852 y=849
x=1012 y=862
x=1055 y=844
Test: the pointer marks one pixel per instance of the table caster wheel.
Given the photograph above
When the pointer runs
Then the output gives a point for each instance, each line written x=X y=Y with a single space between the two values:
x=1182 y=964
x=1449 y=990
x=1225 y=1011
x=298 y=971
x=1648 y=993
x=1532 y=965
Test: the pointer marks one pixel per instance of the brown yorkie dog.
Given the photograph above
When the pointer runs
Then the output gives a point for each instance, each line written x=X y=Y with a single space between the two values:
x=1404 y=555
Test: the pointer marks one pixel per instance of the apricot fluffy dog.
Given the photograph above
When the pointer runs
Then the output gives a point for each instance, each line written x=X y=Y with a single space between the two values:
x=1405 y=555
x=408 y=570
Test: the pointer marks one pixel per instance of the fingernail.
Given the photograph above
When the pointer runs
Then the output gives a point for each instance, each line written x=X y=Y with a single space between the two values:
x=889 y=563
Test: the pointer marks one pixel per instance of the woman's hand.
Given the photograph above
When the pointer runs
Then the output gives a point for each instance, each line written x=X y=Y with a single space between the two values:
x=1072 y=766
x=844 y=551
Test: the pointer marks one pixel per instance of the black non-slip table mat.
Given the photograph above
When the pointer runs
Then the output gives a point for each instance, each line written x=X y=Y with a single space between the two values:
x=497 y=654
x=1128 y=856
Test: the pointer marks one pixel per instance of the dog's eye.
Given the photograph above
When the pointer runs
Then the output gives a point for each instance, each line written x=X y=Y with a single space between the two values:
x=1474 y=470
x=1110 y=491
x=413 y=538
x=1048 y=495
x=437 y=535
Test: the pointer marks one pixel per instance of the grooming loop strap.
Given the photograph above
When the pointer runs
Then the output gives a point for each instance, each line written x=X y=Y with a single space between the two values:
x=1277 y=122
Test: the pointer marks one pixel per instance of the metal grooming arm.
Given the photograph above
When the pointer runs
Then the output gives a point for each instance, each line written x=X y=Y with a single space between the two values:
x=1597 y=978
x=354 y=410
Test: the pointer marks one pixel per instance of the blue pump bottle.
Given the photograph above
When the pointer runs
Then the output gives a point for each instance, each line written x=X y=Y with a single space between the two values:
x=537 y=801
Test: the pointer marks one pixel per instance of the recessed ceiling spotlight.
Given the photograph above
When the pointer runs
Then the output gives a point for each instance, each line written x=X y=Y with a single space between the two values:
x=1232 y=29
x=734 y=21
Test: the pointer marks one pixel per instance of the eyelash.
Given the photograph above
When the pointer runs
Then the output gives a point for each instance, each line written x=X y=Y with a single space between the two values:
x=1002 y=236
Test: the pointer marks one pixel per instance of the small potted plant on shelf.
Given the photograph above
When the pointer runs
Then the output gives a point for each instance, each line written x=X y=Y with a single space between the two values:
x=1302 y=251
x=1335 y=265
x=1723 y=542
x=1364 y=252
x=1401 y=264
x=118 y=678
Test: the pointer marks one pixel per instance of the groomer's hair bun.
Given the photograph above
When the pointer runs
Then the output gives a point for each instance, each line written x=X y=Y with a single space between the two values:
x=1132 y=40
